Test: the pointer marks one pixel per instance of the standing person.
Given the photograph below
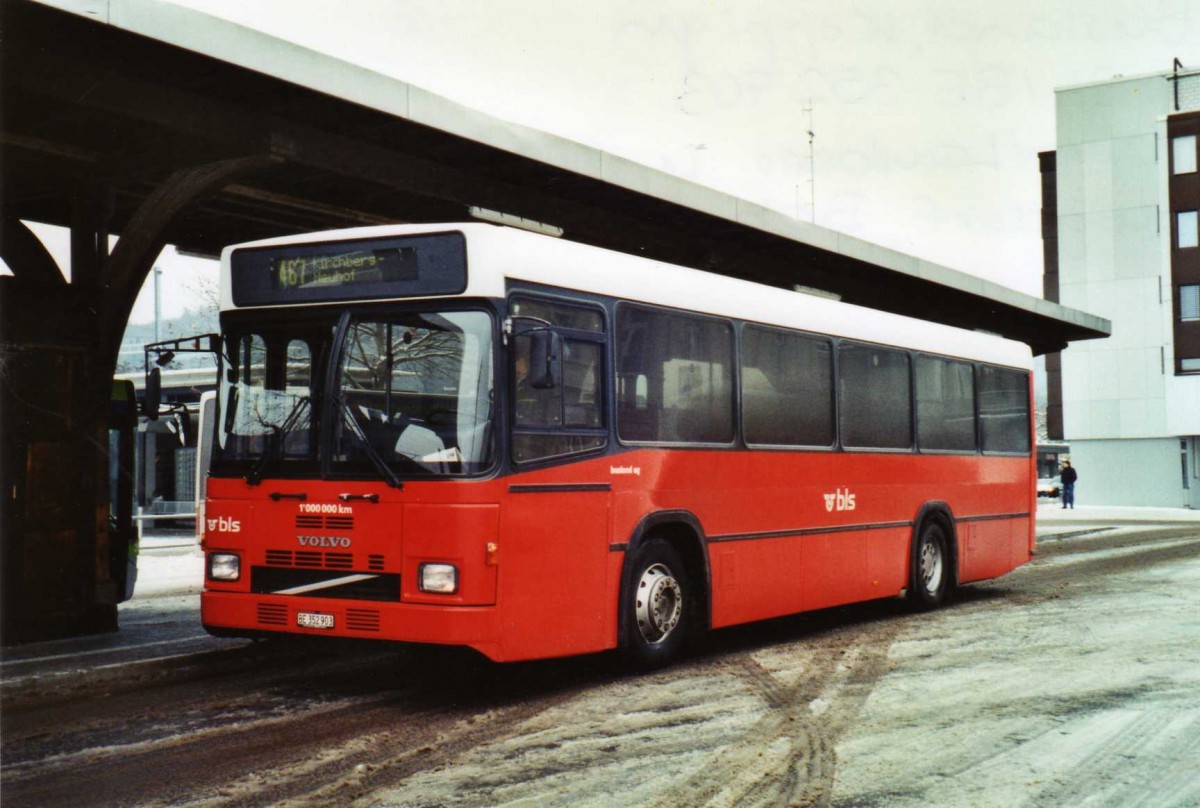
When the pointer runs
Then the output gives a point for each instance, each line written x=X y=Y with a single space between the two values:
x=1069 y=476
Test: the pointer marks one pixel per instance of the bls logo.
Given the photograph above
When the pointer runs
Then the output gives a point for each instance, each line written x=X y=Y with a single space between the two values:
x=224 y=524
x=841 y=500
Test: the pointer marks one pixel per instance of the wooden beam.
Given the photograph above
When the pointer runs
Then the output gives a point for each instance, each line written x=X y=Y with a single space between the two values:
x=144 y=237
x=305 y=205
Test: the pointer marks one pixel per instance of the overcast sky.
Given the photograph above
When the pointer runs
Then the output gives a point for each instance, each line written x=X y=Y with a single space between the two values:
x=928 y=115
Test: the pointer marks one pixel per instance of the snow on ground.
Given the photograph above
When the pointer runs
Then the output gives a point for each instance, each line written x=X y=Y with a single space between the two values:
x=1052 y=511
x=1077 y=685
x=1103 y=708
x=175 y=573
x=1064 y=685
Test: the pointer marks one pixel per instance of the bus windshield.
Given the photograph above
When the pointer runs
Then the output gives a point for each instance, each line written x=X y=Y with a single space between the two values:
x=415 y=390
x=412 y=391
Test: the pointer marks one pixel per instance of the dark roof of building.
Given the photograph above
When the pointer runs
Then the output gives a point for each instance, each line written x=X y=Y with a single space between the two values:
x=110 y=103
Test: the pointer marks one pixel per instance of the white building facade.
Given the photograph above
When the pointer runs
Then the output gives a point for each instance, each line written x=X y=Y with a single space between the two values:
x=1122 y=195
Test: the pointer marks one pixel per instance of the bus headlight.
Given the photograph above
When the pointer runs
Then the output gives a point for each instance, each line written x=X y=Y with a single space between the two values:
x=224 y=567
x=439 y=578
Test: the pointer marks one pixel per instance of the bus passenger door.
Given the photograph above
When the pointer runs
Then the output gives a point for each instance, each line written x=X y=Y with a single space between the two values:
x=554 y=548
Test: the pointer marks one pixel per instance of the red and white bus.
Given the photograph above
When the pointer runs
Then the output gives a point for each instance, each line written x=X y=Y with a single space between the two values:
x=475 y=435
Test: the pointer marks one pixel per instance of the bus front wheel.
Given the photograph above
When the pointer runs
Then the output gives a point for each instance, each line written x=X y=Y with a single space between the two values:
x=659 y=609
x=929 y=576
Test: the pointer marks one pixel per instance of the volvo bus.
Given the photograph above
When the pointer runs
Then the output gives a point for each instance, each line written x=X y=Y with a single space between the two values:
x=480 y=436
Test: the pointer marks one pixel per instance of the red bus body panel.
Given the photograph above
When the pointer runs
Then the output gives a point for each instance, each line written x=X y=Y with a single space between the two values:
x=783 y=531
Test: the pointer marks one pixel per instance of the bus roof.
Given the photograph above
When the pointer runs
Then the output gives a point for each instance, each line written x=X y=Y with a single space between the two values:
x=497 y=255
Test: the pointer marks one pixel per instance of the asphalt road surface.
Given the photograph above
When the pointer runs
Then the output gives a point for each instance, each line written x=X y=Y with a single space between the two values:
x=1073 y=679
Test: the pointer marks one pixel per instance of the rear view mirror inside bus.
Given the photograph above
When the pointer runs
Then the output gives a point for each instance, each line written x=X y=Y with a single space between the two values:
x=545 y=359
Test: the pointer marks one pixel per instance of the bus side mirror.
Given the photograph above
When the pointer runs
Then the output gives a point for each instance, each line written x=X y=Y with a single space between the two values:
x=545 y=359
x=152 y=397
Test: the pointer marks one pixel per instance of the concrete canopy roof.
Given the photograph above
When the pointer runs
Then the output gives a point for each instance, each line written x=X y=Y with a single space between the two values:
x=110 y=97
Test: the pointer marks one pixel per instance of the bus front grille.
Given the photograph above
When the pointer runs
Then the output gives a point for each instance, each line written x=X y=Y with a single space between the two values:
x=316 y=559
x=362 y=620
x=320 y=583
x=309 y=521
x=272 y=614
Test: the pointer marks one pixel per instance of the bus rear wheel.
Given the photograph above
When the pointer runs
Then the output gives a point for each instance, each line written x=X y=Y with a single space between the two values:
x=929 y=570
x=659 y=608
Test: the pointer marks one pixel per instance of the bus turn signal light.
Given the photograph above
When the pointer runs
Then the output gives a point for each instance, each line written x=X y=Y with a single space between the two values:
x=492 y=557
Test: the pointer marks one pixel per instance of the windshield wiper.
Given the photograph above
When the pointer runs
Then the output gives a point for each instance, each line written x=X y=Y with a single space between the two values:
x=376 y=460
x=278 y=433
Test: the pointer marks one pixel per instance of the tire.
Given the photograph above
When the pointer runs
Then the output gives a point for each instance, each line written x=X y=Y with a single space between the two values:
x=929 y=569
x=659 y=607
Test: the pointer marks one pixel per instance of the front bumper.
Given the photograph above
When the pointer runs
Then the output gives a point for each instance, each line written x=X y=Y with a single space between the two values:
x=477 y=627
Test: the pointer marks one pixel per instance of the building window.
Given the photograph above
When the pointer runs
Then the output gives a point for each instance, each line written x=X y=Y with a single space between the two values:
x=1184 y=154
x=1186 y=225
x=1189 y=365
x=1189 y=302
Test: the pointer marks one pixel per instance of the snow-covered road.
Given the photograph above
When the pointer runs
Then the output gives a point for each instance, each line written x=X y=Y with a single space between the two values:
x=1074 y=680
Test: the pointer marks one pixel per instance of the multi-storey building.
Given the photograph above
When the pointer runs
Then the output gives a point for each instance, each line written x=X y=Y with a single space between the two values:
x=1121 y=202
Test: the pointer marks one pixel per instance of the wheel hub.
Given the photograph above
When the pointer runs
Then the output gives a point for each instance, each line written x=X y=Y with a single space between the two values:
x=659 y=603
x=931 y=566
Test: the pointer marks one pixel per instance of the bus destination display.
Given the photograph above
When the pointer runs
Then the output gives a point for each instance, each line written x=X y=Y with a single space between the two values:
x=352 y=267
x=362 y=269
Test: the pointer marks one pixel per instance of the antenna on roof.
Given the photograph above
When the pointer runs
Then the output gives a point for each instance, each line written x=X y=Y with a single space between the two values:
x=812 y=171
x=1174 y=79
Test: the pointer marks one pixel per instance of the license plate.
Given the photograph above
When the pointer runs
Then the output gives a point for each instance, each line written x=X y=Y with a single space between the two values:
x=314 y=620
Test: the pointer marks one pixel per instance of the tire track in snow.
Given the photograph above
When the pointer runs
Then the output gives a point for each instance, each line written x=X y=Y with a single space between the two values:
x=376 y=759
x=790 y=755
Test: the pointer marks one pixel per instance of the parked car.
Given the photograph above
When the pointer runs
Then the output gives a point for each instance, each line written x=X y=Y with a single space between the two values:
x=1048 y=487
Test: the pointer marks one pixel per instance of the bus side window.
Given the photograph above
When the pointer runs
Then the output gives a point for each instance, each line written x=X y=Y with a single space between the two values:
x=945 y=405
x=787 y=388
x=1003 y=410
x=582 y=365
x=687 y=364
x=874 y=387
x=569 y=418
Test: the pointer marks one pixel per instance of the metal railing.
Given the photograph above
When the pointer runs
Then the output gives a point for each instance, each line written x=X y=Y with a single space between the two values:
x=164 y=511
